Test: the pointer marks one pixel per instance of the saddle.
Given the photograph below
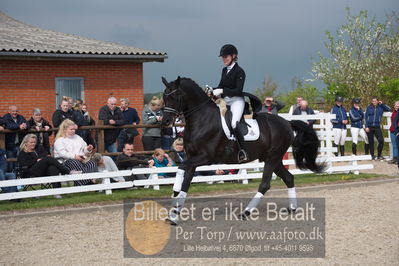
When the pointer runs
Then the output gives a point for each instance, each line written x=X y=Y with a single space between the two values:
x=247 y=125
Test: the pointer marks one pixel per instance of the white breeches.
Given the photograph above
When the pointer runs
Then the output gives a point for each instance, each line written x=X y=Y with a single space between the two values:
x=237 y=105
x=355 y=132
x=339 y=136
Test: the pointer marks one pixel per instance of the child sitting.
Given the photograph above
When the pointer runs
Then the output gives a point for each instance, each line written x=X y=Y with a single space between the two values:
x=161 y=159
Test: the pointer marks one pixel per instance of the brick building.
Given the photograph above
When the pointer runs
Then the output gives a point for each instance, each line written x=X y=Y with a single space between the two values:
x=38 y=67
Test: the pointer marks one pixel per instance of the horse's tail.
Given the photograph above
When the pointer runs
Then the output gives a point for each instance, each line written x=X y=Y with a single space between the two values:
x=305 y=146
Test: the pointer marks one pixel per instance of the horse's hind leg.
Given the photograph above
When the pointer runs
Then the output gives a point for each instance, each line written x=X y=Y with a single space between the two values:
x=288 y=179
x=262 y=189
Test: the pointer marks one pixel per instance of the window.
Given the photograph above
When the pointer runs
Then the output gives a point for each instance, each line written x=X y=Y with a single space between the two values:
x=71 y=87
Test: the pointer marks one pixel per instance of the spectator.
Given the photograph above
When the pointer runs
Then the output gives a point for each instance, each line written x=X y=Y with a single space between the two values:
x=127 y=161
x=4 y=175
x=14 y=121
x=178 y=131
x=73 y=151
x=131 y=118
x=272 y=106
x=304 y=109
x=294 y=106
x=152 y=116
x=86 y=115
x=106 y=164
x=392 y=133
x=161 y=159
x=177 y=154
x=35 y=162
x=356 y=115
x=373 y=117
x=112 y=116
x=91 y=137
x=66 y=112
x=37 y=122
x=339 y=125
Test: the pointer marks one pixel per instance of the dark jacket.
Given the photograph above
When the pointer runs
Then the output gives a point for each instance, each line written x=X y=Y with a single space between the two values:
x=125 y=162
x=233 y=82
x=356 y=116
x=110 y=135
x=42 y=137
x=178 y=157
x=308 y=110
x=273 y=108
x=28 y=159
x=340 y=113
x=11 y=124
x=75 y=116
x=130 y=115
x=373 y=114
x=3 y=161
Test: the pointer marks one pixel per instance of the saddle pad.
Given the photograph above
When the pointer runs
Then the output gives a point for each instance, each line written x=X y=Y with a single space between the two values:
x=253 y=130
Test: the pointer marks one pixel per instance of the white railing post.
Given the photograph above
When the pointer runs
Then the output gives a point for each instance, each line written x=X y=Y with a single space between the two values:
x=243 y=172
x=329 y=138
x=107 y=181
x=323 y=130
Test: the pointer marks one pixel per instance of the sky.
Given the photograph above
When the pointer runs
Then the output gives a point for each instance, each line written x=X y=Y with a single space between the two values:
x=275 y=38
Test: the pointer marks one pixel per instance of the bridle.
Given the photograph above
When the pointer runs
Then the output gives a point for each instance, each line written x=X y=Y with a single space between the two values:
x=180 y=104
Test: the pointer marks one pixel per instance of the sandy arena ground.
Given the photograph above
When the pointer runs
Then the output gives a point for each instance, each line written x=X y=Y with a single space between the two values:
x=362 y=228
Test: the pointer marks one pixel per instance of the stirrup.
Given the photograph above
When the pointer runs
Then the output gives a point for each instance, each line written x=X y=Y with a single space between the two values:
x=242 y=156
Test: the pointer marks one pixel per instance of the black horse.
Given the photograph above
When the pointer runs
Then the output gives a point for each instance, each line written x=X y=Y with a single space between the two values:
x=205 y=142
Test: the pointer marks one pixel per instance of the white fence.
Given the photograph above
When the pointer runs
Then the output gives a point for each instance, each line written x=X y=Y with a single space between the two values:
x=246 y=171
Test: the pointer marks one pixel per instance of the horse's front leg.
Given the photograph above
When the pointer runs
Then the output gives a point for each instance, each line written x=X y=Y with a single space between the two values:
x=184 y=176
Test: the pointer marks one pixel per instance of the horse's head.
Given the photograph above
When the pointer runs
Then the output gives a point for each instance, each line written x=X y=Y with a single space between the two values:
x=173 y=101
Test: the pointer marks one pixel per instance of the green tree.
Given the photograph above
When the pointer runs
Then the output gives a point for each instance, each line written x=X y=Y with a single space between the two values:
x=308 y=92
x=363 y=54
x=269 y=88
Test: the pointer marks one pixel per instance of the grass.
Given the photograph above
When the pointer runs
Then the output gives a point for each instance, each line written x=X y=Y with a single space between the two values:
x=79 y=199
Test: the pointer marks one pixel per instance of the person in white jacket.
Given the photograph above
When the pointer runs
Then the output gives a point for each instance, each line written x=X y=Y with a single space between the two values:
x=71 y=150
x=106 y=164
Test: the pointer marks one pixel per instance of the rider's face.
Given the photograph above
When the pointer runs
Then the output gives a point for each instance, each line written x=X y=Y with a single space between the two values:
x=227 y=60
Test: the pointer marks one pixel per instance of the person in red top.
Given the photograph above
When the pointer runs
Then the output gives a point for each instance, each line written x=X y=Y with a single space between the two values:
x=392 y=134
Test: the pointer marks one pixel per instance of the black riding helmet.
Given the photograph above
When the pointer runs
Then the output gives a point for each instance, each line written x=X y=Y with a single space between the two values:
x=356 y=100
x=228 y=49
x=339 y=98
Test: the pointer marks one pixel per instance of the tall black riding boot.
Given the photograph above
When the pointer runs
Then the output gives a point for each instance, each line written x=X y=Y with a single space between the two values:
x=354 y=148
x=342 y=150
x=242 y=154
x=335 y=153
x=366 y=148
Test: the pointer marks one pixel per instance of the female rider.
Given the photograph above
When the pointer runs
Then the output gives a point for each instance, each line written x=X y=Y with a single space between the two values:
x=231 y=89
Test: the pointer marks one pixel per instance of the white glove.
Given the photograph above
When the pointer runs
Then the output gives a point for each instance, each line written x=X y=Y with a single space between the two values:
x=217 y=92
x=208 y=89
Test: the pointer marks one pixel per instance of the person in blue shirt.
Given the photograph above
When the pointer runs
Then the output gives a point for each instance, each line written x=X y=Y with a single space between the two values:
x=339 y=124
x=161 y=159
x=356 y=115
x=131 y=118
x=373 y=117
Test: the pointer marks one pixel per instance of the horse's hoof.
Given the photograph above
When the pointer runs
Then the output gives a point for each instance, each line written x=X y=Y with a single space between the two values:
x=171 y=221
x=244 y=216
